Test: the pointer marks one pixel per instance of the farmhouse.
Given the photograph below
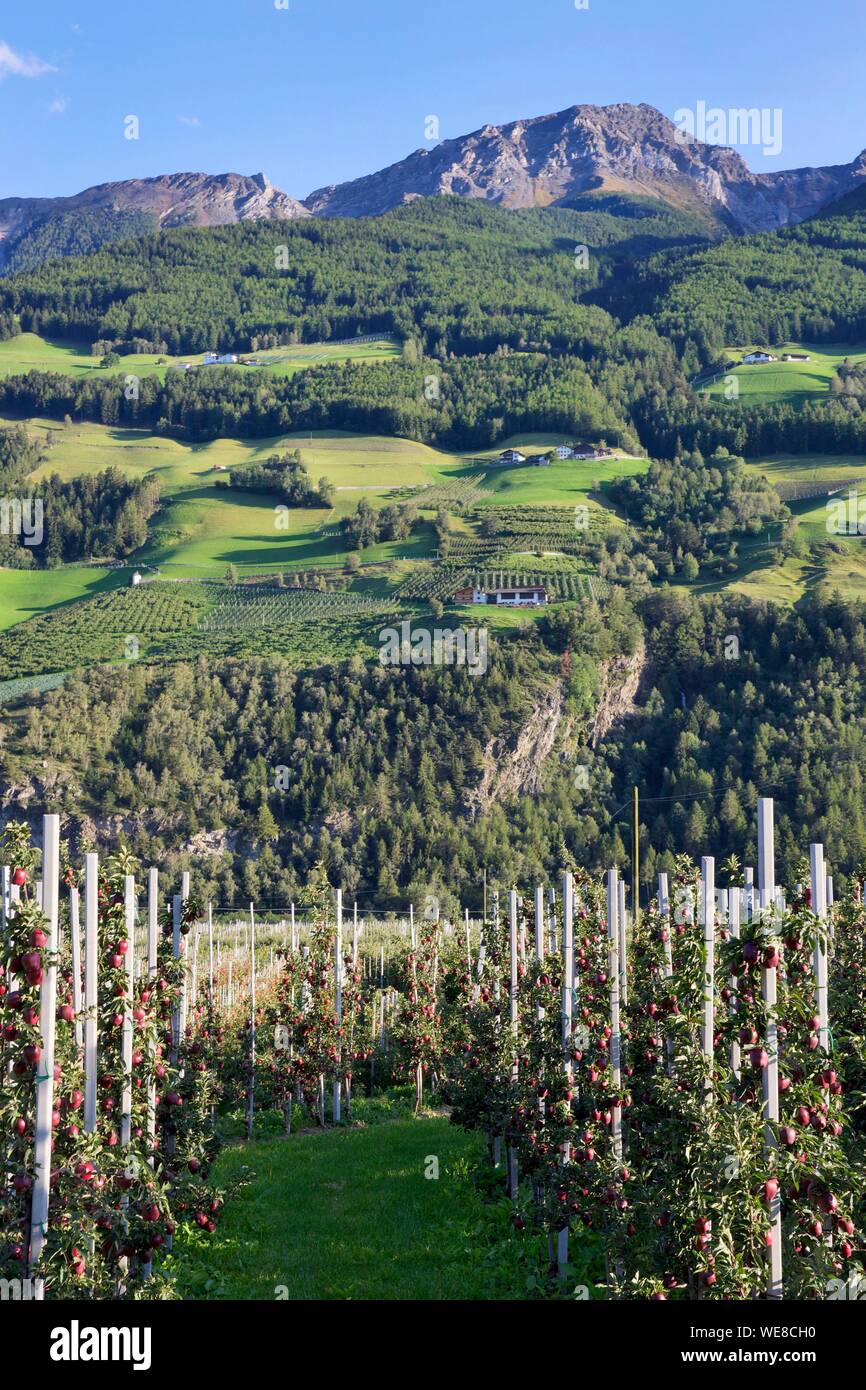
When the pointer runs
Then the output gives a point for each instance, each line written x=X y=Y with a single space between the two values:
x=590 y=451
x=754 y=357
x=508 y=456
x=539 y=460
x=216 y=359
x=529 y=596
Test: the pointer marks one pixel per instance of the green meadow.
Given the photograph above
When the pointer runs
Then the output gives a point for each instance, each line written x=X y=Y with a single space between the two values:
x=809 y=468
x=28 y=593
x=203 y=526
x=28 y=352
x=784 y=381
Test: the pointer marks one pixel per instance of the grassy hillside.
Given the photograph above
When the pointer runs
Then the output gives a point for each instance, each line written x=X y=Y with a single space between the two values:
x=28 y=352
x=26 y=593
x=783 y=381
x=203 y=527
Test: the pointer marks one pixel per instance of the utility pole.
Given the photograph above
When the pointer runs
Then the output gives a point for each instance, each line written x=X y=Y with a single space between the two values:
x=635 y=859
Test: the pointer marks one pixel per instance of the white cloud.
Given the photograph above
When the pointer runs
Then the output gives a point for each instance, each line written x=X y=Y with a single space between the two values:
x=189 y=120
x=58 y=106
x=14 y=64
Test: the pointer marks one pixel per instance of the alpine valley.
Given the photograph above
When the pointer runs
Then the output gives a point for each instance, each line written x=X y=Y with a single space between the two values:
x=602 y=376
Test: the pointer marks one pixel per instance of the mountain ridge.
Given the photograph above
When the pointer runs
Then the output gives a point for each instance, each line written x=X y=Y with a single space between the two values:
x=166 y=200
x=548 y=160
x=542 y=161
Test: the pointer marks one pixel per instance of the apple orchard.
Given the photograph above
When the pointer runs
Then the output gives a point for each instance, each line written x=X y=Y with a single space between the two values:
x=676 y=1094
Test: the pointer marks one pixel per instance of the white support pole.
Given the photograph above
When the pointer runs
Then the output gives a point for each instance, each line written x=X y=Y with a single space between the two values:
x=412 y=925
x=252 y=1098
x=819 y=958
x=567 y=1002
x=91 y=975
x=152 y=933
x=539 y=924
x=176 y=914
x=614 y=905
x=708 y=920
x=512 y=1019
x=210 y=956
x=665 y=913
x=7 y=892
x=622 y=948
x=468 y=943
x=338 y=1002
x=126 y=1037
x=749 y=880
x=734 y=902
x=45 y=1066
x=766 y=897
x=355 y=936
x=75 y=947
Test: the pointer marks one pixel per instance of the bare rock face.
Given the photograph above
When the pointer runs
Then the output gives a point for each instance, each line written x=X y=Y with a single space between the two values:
x=551 y=160
x=171 y=200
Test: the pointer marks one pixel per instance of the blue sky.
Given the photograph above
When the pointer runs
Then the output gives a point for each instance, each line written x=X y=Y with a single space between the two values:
x=331 y=89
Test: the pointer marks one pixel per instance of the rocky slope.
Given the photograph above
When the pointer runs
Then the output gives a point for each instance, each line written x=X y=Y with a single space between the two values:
x=551 y=160
x=171 y=200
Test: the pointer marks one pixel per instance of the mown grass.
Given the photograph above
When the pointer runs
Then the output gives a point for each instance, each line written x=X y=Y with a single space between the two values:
x=350 y=1214
x=785 y=381
x=30 y=593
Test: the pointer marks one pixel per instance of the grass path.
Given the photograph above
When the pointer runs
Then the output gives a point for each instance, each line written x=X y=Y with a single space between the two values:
x=346 y=1214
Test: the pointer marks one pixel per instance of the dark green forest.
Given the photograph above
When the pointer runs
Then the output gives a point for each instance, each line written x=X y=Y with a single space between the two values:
x=451 y=275
x=284 y=476
x=806 y=282
x=475 y=401
x=377 y=770
x=517 y=327
x=74 y=233
x=697 y=507
x=103 y=514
